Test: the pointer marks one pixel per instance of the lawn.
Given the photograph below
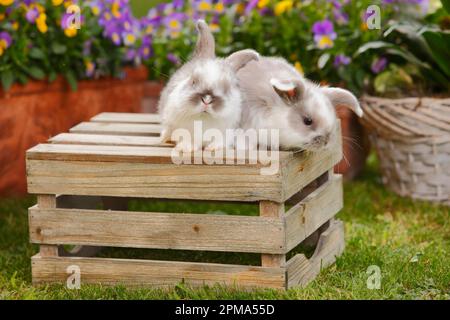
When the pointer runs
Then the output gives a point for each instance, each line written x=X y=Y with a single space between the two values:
x=409 y=241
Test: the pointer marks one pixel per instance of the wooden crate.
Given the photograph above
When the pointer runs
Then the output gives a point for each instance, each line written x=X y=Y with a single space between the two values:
x=117 y=156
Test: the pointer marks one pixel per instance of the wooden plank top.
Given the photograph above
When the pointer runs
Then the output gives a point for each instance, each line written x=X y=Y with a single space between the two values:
x=120 y=154
x=116 y=117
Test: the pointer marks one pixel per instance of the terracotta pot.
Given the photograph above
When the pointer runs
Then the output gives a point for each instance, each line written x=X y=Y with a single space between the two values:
x=152 y=90
x=32 y=113
x=356 y=146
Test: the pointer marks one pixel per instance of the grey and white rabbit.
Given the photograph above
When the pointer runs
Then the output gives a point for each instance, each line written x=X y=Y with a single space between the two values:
x=203 y=89
x=276 y=96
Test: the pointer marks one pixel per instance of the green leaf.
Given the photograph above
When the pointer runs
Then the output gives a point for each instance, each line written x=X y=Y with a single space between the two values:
x=37 y=53
x=372 y=45
x=58 y=48
x=446 y=5
x=36 y=72
x=52 y=76
x=23 y=79
x=323 y=59
x=408 y=56
x=440 y=49
x=72 y=80
x=7 y=79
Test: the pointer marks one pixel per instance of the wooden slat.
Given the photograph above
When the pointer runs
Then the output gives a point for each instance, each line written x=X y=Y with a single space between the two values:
x=304 y=167
x=47 y=201
x=157 y=230
x=300 y=270
x=129 y=154
x=106 y=140
x=155 y=273
x=119 y=117
x=133 y=129
x=77 y=152
x=313 y=211
x=273 y=210
x=148 y=180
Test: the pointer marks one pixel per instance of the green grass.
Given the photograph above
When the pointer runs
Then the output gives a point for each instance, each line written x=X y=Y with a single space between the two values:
x=409 y=241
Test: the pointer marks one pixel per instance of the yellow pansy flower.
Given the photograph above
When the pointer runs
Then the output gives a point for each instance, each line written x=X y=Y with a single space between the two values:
x=15 y=25
x=263 y=3
x=240 y=8
x=1 y=51
x=214 y=27
x=95 y=10
x=283 y=6
x=219 y=7
x=115 y=9
x=3 y=44
x=57 y=2
x=363 y=26
x=325 y=42
x=6 y=2
x=67 y=3
x=70 y=32
x=204 y=6
x=298 y=66
x=41 y=23
x=130 y=39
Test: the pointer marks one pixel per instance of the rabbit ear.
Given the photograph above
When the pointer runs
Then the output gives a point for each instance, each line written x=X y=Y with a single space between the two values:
x=343 y=97
x=239 y=59
x=289 y=90
x=206 y=46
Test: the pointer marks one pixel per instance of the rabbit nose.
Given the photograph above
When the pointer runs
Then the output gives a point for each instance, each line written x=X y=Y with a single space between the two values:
x=207 y=99
x=322 y=139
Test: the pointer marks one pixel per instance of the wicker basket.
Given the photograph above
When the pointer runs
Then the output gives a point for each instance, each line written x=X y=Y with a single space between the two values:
x=412 y=140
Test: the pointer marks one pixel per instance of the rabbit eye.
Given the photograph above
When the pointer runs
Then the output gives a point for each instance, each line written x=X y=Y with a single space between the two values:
x=307 y=121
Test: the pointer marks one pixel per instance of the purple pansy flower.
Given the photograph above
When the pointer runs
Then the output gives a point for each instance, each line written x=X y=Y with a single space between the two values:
x=32 y=14
x=173 y=58
x=250 y=6
x=341 y=60
x=5 y=39
x=379 y=65
x=324 y=34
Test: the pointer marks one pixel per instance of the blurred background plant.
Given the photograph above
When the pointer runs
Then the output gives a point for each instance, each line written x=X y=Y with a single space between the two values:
x=327 y=40
x=41 y=39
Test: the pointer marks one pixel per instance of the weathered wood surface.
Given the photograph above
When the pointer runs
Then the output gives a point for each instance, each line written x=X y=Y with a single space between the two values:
x=47 y=202
x=275 y=211
x=313 y=211
x=155 y=273
x=301 y=270
x=149 y=180
x=116 y=117
x=157 y=230
x=107 y=159
x=131 y=129
x=304 y=167
x=116 y=140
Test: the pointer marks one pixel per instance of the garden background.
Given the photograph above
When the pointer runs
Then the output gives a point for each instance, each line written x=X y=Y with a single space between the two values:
x=328 y=41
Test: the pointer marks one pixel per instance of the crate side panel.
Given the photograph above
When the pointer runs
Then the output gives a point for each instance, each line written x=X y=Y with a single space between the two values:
x=147 y=180
x=306 y=166
x=300 y=270
x=317 y=208
x=154 y=273
x=156 y=230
